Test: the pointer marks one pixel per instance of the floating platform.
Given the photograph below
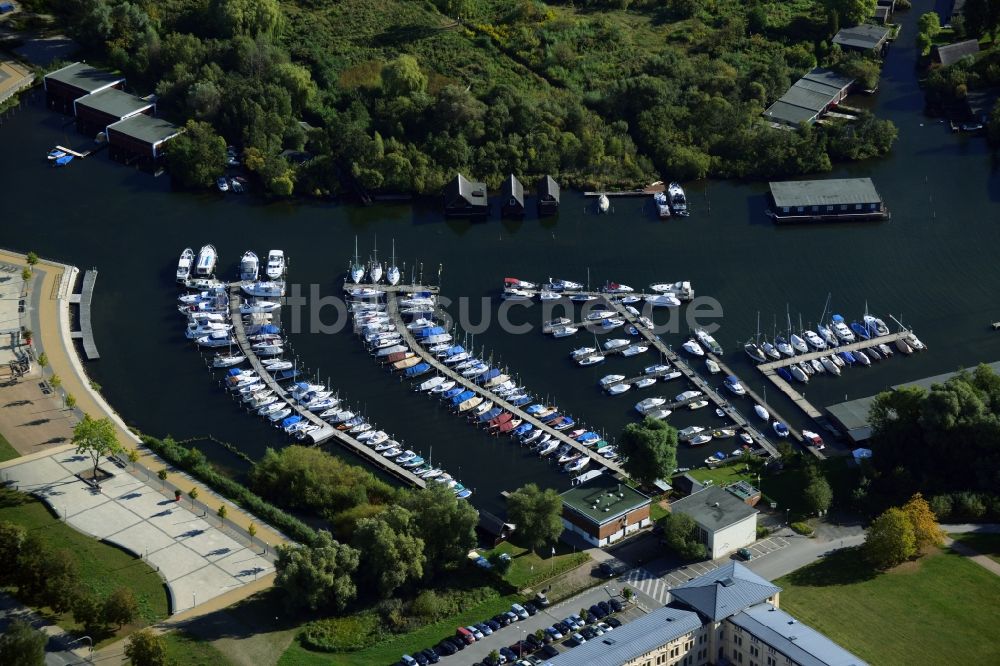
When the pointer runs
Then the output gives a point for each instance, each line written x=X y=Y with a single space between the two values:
x=84 y=299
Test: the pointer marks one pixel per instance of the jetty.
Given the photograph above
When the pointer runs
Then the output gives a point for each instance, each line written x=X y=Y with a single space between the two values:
x=410 y=341
x=70 y=151
x=647 y=191
x=325 y=432
x=83 y=300
x=854 y=346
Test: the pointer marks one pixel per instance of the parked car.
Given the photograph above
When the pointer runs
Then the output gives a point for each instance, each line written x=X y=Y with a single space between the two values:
x=407 y=660
x=563 y=628
x=578 y=620
x=421 y=658
x=616 y=605
x=744 y=554
x=530 y=607
x=508 y=653
x=580 y=640
x=534 y=641
x=493 y=624
x=604 y=627
x=541 y=600
x=549 y=651
x=572 y=624
x=484 y=628
x=588 y=632
x=518 y=609
x=595 y=611
x=466 y=635
x=533 y=660
x=475 y=632
x=554 y=632
x=605 y=606
x=446 y=648
x=613 y=622
x=502 y=619
x=432 y=655
x=512 y=616
x=606 y=569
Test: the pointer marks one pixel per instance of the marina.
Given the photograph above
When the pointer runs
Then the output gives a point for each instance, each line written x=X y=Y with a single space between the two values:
x=395 y=316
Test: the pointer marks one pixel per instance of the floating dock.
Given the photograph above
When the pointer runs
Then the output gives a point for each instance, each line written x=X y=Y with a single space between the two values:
x=647 y=191
x=443 y=370
x=84 y=299
x=326 y=431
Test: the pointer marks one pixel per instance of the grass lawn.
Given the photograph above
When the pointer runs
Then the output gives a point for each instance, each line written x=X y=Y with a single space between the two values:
x=102 y=567
x=7 y=452
x=185 y=650
x=938 y=605
x=390 y=651
x=987 y=544
x=528 y=568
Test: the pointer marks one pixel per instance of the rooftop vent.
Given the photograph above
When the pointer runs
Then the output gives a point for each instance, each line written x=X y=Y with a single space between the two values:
x=792 y=621
x=727 y=582
x=606 y=509
x=608 y=641
x=716 y=505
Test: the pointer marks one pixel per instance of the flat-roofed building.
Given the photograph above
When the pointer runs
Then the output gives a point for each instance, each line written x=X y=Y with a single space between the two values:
x=94 y=112
x=810 y=97
x=826 y=200
x=604 y=510
x=65 y=85
x=726 y=521
x=140 y=139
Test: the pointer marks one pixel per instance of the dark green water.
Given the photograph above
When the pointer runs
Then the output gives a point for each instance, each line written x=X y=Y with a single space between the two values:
x=934 y=266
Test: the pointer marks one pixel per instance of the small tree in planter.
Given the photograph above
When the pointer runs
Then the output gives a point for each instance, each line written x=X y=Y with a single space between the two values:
x=162 y=476
x=222 y=515
x=627 y=593
x=193 y=494
x=95 y=438
x=252 y=531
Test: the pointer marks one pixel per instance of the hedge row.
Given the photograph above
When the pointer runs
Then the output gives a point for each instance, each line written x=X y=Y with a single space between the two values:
x=194 y=462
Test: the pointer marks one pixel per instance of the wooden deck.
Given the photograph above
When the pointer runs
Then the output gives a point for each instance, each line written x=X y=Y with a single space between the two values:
x=84 y=299
x=854 y=346
x=444 y=370
x=326 y=431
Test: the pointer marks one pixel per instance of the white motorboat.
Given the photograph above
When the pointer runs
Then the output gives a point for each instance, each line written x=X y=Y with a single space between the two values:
x=578 y=464
x=798 y=343
x=814 y=340
x=735 y=387
x=249 y=266
x=830 y=366
x=618 y=389
x=816 y=365
x=275 y=264
x=842 y=331
x=549 y=295
x=635 y=350
x=645 y=382
x=762 y=413
x=255 y=306
x=548 y=447
x=904 y=347
x=783 y=346
x=218 y=339
x=228 y=361
x=687 y=395
x=698 y=440
x=564 y=285
x=392 y=273
x=646 y=322
x=609 y=380
x=564 y=331
x=677 y=200
x=430 y=383
x=516 y=295
x=770 y=350
x=692 y=347
x=264 y=289
x=707 y=341
x=598 y=315
x=662 y=301
x=612 y=323
x=649 y=404
x=553 y=324
x=829 y=337
x=712 y=366
x=279 y=414
x=603 y=203
x=698 y=404
x=658 y=369
x=875 y=326
x=421 y=322
x=862 y=358
x=615 y=343
x=799 y=374
x=184 y=265
x=662 y=205
x=617 y=288
x=579 y=353
x=915 y=342
x=885 y=350
x=689 y=432
x=207 y=258
x=780 y=429
x=659 y=414
x=375 y=271
x=593 y=359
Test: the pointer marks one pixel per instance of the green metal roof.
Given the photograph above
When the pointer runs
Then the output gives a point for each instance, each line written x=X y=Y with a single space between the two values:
x=603 y=499
x=864 y=36
x=114 y=102
x=828 y=192
x=146 y=128
x=789 y=113
x=84 y=77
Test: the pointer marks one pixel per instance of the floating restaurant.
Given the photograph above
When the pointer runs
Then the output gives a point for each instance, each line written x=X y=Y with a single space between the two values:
x=828 y=200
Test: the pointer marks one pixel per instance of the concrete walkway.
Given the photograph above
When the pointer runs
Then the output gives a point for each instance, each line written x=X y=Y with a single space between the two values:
x=196 y=559
x=49 y=320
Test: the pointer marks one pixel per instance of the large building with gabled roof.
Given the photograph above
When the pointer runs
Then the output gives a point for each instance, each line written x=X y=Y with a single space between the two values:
x=729 y=616
x=69 y=83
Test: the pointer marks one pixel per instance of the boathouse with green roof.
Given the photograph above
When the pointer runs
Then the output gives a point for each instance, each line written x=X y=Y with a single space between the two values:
x=827 y=200
x=68 y=84
x=140 y=140
x=604 y=510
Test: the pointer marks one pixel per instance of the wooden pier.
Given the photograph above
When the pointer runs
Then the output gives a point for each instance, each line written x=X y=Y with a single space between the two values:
x=74 y=153
x=710 y=393
x=469 y=384
x=84 y=299
x=326 y=431
x=854 y=346
x=647 y=191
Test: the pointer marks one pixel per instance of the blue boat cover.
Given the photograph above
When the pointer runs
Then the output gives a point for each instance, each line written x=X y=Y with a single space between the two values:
x=490 y=374
x=234 y=372
x=462 y=397
x=837 y=318
x=451 y=393
x=417 y=369
x=290 y=420
x=492 y=414
x=457 y=349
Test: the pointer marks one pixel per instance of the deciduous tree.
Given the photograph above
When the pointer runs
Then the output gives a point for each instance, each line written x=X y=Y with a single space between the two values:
x=681 y=534
x=120 y=607
x=146 y=648
x=22 y=645
x=96 y=438
x=818 y=494
x=403 y=77
x=198 y=156
x=445 y=523
x=391 y=552
x=247 y=17
x=649 y=449
x=536 y=514
x=318 y=576
x=926 y=531
x=890 y=539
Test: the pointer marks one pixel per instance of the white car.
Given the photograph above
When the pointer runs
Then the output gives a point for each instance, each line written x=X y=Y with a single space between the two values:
x=518 y=610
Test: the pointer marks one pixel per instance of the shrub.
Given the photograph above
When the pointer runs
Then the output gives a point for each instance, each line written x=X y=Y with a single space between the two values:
x=970 y=506
x=802 y=528
x=942 y=506
x=763 y=532
x=426 y=605
x=343 y=634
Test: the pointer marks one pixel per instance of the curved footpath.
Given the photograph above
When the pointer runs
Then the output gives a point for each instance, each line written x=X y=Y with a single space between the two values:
x=51 y=328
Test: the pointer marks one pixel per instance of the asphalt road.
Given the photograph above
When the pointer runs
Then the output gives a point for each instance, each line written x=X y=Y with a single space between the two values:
x=56 y=650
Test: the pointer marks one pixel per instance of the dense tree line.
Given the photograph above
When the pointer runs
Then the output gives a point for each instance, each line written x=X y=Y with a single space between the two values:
x=404 y=97
x=938 y=441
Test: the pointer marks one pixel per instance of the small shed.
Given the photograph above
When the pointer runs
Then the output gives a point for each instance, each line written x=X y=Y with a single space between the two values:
x=141 y=139
x=465 y=198
x=65 y=85
x=548 y=196
x=495 y=527
x=513 y=198
x=949 y=54
x=94 y=112
x=865 y=38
